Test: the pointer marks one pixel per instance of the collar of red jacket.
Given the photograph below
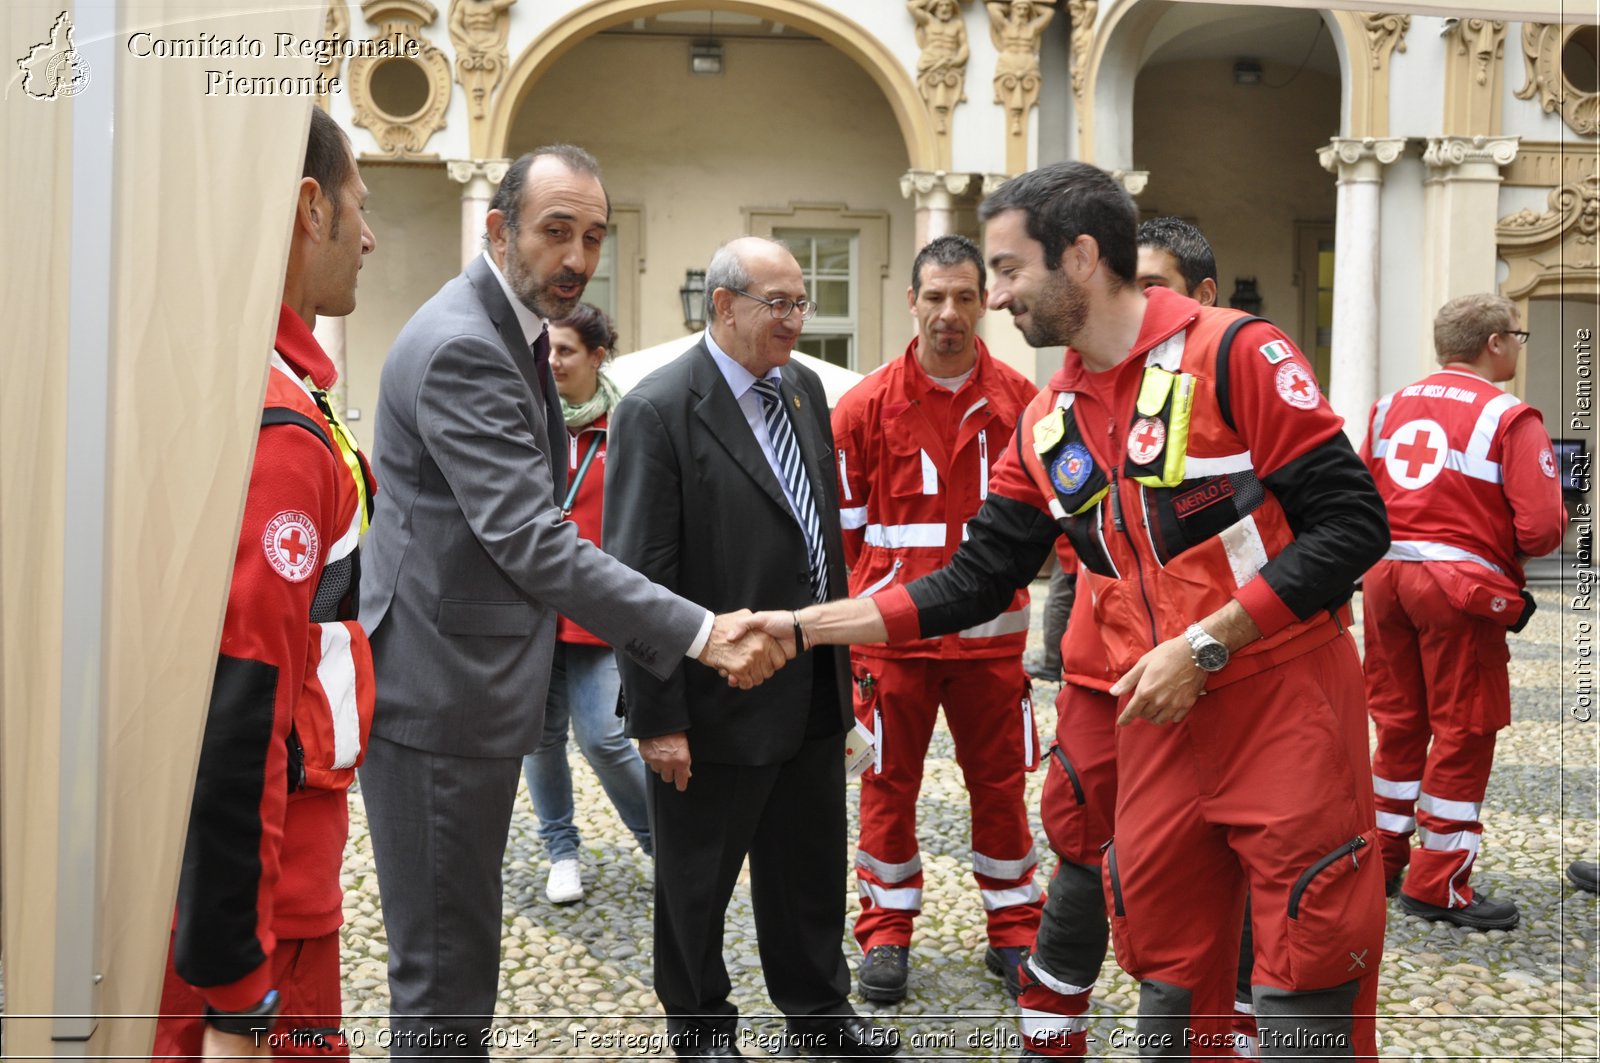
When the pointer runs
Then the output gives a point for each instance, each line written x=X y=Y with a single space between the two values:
x=917 y=378
x=1166 y=314
x=301 y=349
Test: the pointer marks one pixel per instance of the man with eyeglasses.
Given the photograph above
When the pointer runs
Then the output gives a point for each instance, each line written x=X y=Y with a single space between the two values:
x=720 y=487
x=916 y=443
x=1470 y=481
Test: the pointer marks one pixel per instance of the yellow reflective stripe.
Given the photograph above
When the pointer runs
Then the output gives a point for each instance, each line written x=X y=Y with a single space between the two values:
x=1095 y=501
x=1178 y=430
x=348 y=448
x=1153 y=390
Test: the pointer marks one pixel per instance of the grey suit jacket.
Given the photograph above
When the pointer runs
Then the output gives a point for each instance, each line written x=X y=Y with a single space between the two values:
x=692 y=502
x=468 y=561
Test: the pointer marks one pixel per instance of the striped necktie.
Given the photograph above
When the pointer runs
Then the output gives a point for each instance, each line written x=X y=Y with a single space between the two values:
x=787 y=449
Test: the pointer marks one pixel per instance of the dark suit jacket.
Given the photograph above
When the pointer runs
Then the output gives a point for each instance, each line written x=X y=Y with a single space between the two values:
x=468 y=560
x=692 y=502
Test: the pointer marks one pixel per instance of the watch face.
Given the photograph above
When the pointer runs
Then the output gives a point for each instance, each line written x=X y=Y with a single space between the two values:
x=1212 y=656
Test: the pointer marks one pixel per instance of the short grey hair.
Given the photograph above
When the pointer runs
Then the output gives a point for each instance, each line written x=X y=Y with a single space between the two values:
x=726 y=270
x=1464 y=324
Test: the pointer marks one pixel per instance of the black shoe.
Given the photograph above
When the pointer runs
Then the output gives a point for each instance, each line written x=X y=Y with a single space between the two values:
x=1585 y=875
x=1007 y=963
x=882 y=978
x=845 y=1036
x=1481 y=914
x=1391 y=886
x=695 y=1045
x=1036 y=665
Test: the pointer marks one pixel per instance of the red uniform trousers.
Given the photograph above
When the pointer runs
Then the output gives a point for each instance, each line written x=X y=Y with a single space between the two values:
x=1438 y=690
x=309 y=1022
x=995 y=742
x=1080 y=793
x=1262 y=785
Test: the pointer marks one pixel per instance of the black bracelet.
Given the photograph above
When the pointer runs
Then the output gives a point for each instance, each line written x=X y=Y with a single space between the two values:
x=799 y=633
x=254 y=1020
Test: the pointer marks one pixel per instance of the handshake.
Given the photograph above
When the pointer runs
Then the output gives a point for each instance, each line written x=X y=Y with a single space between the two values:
x=747 y=648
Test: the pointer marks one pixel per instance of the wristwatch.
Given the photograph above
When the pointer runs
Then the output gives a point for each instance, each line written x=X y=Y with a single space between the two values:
x=245 y=1023
x=1209 y=654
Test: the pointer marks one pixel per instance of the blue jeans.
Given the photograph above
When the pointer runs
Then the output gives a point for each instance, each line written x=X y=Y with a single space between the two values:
x=584 y=685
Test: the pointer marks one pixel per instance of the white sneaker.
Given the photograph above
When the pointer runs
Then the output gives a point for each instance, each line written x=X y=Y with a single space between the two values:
x=565 y=885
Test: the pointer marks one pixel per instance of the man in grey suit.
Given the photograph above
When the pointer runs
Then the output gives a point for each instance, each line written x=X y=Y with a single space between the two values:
x=720 y=486
x=466 y=566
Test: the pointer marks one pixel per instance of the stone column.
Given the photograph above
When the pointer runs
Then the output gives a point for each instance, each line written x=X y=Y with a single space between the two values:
x=934 y=193
x=1461 y=197
x=480 y=177
x=1353 y=370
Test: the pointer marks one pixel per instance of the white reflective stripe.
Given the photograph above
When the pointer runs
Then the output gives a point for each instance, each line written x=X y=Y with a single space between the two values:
x=1012 y=869
x=1244 y=1007
x=1379 y=413
x=1449 y=843
x=1247 y=554
x=1487 y=424
x=336 y=672
x=1246 y=1046
x=1399 y=791
x=1041 y=1025
x=1099 y=526
x=884 y=582
x=850 y=519
x=1027 y=730
x=1168 y=353
x=974 y=408
x=1461 y=811
x=844 y=478
x=1051 y=982
x=282 y=366
x=1064 y=400
x=348 y=541
x=1057 y=510
x=896 y=536
x=1007 y=623
x=1477 y=468
x=993 y=899
x=906 y=898
x=1395 y=824
x=887 y=872
x=930 y=475
x=1221 y=465
x=1420 y=550
x=877 y=739
x=983 y=464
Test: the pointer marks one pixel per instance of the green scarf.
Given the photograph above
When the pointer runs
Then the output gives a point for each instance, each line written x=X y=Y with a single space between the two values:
x=595 y=407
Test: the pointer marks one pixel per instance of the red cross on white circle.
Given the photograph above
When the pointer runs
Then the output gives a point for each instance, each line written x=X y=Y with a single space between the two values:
x=1417 y=451
x=1145 y=440
x=289 y=542
x=1296 y=386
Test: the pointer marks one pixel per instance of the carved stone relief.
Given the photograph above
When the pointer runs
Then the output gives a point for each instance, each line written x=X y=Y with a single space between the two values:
x=1544 y=47
x=1082 y=13
x=1483 y=40
x=1386 y=33
x=401 y=98
x=1016 y=27
x=479 y=30
x=942 y=66
x=335 y=27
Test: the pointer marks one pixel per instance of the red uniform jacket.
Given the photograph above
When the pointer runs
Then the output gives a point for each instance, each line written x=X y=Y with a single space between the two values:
x=586 y=507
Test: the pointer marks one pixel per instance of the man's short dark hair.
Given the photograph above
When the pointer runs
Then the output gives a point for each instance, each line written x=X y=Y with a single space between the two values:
x=948 y=251
x=328 y=160
x=508 y=197
x=1186 y=244
x=1066 y=200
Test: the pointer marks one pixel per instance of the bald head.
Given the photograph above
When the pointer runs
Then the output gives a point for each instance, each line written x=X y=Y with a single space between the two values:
x=744 y=276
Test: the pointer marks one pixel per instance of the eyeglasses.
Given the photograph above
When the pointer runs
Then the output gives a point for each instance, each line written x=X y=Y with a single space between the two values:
x=782 y=308
x=1520 y=335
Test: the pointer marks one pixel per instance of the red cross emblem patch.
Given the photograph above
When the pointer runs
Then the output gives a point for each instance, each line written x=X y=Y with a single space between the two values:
x=1296 y=387
x=1547 y=463
x=1416 y=453
x=290 y=543
x=1145 y=440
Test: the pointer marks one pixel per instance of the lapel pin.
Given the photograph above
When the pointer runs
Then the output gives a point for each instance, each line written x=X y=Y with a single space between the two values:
x=797 y=402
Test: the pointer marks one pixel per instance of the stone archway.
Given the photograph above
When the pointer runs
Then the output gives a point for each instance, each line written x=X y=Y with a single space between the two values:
x=910 y=113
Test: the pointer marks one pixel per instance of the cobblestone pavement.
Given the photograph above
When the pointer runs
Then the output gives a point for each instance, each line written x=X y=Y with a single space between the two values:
x=576 y=980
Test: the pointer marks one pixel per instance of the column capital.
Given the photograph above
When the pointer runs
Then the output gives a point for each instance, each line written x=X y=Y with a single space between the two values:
x=1342 y=154
x=1132 y=180
x=464 y=171
x=924 y=183
x=1447 y=153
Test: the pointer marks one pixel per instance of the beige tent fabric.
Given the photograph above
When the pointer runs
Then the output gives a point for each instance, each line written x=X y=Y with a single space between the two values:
x=202 y=204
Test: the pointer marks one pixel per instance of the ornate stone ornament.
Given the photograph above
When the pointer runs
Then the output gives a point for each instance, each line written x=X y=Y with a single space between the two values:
x=479 y=30
x=1016 y=27
x=1082 y=13
x=1445 y=152
x=1482 y=39
x=1386 y=33
x=335 y=27
x=401 y=96
x=1553 y=53
x=942 y=66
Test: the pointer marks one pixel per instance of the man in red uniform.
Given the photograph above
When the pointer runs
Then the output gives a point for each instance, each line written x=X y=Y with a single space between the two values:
x=253 y=969
x=1220 y=517
x=1469 y=478
x=916 y=443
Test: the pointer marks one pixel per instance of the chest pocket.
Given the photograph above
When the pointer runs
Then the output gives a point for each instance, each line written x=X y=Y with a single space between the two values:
x=1077 y=484
x=911 y=469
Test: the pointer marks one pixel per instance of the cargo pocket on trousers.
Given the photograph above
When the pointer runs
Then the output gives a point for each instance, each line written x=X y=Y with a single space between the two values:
x=869 y=711
x=1336 y=915
x=1121 y=932
x=1063 y=807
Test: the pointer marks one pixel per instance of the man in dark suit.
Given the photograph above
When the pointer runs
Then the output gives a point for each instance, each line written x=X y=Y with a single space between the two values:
x=720 y=486
x=467 y=564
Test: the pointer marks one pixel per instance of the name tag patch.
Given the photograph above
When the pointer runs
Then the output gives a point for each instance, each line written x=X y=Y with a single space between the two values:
x=1207 y=494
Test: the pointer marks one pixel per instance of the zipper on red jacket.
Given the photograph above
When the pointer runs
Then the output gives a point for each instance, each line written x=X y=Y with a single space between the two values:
x=1121 y=525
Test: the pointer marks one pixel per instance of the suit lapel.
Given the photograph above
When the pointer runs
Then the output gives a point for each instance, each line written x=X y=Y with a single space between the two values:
x=720 y=412
x=547 y=418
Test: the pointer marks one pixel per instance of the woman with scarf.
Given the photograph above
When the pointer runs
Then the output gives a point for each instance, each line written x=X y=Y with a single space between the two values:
x=584 y=685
